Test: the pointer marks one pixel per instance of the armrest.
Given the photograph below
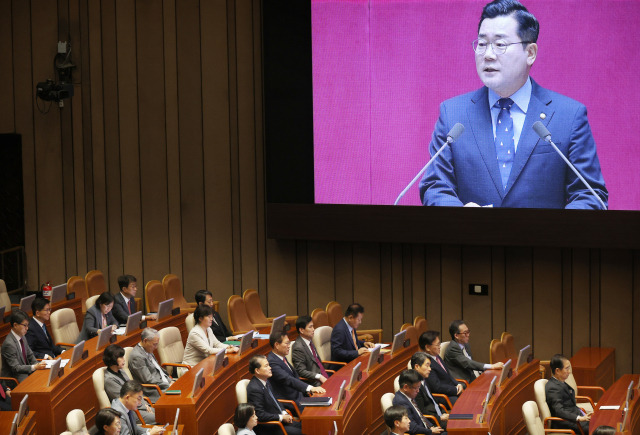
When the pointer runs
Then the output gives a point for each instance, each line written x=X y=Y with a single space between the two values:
x=277 y=423
x=9 y=379
x=550 y=419
x=140 y=417
x=462 y=381
x=586 y=399
x=260 y=325
x=330 y=371
x=589 y=390
x=432 y=418
x=376 y=333
x=334 y=362
x=153 y=386
x=445 y=397
x=61 y=343
x=186 y=366
x=148 y=400
x=564 y=431
x=293 y=403
x=15 y=305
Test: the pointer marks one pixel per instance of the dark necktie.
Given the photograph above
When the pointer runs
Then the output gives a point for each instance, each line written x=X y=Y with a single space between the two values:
x=44 y=329
x=424 y=420
x=273 y=397
x=24 y=351
x=132 y=421
x=323 y=372
x=505 y=145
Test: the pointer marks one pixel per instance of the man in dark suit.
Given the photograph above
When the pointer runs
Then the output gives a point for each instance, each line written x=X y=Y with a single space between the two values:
x=285 y=381
x=562 y=400
x=261 y=396
x=38 y=336
x=220 y=330
x=18 y=360
x=125 y=301
x=305 y=356
x=440 y=380
x=427 y=403
x=405 y=396
x=345 y=346
x=458 y=359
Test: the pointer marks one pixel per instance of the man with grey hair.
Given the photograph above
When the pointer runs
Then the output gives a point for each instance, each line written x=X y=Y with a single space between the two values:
x=145 y=368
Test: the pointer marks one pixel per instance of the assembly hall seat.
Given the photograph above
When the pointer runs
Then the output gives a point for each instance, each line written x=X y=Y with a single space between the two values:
x=320 y=318
x=153 y=295
x=322 y=342
x=497 y=352
x=64 y=327
x=509 y=346
x=254 y=308
x=90 y=302
x=173 y=289
x=226 y=429
x=533 y=422
x=336 y=314
x=76 y=423
x=76 y=285
x=95 y=283
x=238 y=317
x=171 y=350
x=421 y=324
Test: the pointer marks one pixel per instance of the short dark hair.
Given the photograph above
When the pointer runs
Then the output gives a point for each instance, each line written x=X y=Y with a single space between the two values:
x=105 y=298
x=244 y=412
x=418 y=358
x=38 y=304
x=125 y=280
x=255 y=363
x=302 y=322
x=111 y=355
x=201 y=296
x=557 y=362
x=409 y=377
x=353 y=310
x=394 y=413
x=277 y=337
x=105 y=417
x=454 y=328
x=18 y=316
x=528 y=25
x=202 y=311
x=604 y=430
x=129 y=387
x=427 y=338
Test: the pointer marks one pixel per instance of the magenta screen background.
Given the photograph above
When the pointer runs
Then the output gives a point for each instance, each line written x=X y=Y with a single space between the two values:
x=381 y=69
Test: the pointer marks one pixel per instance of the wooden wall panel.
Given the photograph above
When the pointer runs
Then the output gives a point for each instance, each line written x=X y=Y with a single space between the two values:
x=398 y=290
x=320 y=274
x=579 y=274
x=476 y=269
x=635 y=343
x=451 y=288
x=366 y=282
x=519 y=293
x=434 y=292
x=418 y=285
x=547 y=303
x=7 y=109
x=497 y=292
x=280 y=290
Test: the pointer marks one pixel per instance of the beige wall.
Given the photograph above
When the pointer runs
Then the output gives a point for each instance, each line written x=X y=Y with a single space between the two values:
x=156 y=166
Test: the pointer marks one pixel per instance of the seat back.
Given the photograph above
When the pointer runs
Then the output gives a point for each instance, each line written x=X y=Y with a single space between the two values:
x=76 y=285
x=334 y=313
x=509 y=346
x=238 y=318
x=4 y=297
x=153 y=295
x=127 y=354
x=76 y=422
x=241 y=391
x=90 y=302
x=319 y=317
x=189 y=322
x=98 y=386
x=170 y=346
x=421 y=324
x=443 y=348
x=95 y=283
x=64 y=326
x=571 y=381
x=226 y=429
x=396 y=383
x=173 y=289
x=322 y=342
x=541 y=398
x=411 y=335
x=532 y=418
x=253 y=307
x=386 y=401
x=497 y=351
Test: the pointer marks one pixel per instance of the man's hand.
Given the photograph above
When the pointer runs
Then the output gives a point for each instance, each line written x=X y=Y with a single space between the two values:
x=156 y=430
x=286 y=418
x=444 y=417
x=584 y=417
x=318 y=390
x=40 y=366
x=436 y=429
x=322 y=379
x=460 y=388
x=231 y=349
x=151 y=317
x=497 y=365
x=368 y=345
x=8 y=392
x=47 y=357
x=362 y=350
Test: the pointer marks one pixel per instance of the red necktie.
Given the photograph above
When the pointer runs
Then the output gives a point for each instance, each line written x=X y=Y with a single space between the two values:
x=2 y=393
x=323 y=372
x=24 y=351
x=441 y=365
x=286 y=363
x=129 y=306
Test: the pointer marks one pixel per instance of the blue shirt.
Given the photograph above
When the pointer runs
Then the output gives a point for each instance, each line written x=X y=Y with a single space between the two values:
x=518 y=111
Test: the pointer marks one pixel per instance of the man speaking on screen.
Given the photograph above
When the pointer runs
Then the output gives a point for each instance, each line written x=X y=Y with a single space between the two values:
x=500 y=161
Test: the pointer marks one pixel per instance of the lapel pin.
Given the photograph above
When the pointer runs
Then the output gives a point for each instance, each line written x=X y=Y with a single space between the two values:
x=543 y=116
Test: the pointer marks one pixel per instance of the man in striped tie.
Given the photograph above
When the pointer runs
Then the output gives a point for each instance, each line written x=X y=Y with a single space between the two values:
x=305 y=356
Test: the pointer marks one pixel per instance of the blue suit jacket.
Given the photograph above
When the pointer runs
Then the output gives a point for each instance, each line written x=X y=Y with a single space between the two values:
x=39 y=343
x=342 y=348
x=467 y=171
x=416 y=426
x=441 y=381
x=285 y=383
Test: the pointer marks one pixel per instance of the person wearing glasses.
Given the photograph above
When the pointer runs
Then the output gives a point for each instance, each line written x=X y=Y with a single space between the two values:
x=38 y=335
x=499 y=160
x=458 y=357
x=18 y=360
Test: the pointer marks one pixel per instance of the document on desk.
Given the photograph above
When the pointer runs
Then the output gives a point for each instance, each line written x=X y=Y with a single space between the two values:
x=120 y=331
x=382 y=346
x=261 y=336
x=49 y=362
x=613 y=407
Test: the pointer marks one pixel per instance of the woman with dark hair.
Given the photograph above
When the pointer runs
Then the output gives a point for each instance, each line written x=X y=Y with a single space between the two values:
x=115 y=377
x=201 y=341
x=108 y=422
x=98 y=317
x=245 y=419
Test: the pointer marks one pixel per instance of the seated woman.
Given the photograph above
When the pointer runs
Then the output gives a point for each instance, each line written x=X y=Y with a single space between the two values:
x=98 y=317
x=108 y=422
x=201 y=341
x=245 y=419
x=115 y=377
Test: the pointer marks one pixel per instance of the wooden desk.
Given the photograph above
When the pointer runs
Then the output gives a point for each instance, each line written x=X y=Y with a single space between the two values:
x=504 y=413
x=74 y=304
x=75 y=389
x=360 y=411
x=615 y=396
x=27 y=426
x=594 y=366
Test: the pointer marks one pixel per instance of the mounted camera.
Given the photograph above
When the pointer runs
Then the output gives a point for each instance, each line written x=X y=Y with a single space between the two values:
x=50 y=91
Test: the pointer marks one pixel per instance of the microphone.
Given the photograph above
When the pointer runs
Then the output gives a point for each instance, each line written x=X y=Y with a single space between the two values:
x=545 y=135
x=452 y=136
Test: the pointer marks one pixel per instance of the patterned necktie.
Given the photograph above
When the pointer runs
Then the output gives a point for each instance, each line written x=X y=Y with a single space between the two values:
x=424 y=420
x=273 y=397
x=24 y=351
x=424 y=384
x=505 y=145
x=323 y=372
x=437 y=358
x=355 y=341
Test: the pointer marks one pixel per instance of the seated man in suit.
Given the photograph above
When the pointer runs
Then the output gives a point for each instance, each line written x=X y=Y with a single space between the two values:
x=260 y=395
x=458 y=359
x=220 y=330
x=145 y=368
x=130 y=398
x=304 y=355
x=440 y=380
x=18 y=360
x=409 y=387
x=562 y=400
x=285 y=381
x=345 y=346
x=38 y=336
x=397 y=420
x=125 y=301
x=427 y=404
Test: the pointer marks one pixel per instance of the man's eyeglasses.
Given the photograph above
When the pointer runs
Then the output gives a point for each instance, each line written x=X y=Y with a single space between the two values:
x=499 y=47
x=465 y=332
